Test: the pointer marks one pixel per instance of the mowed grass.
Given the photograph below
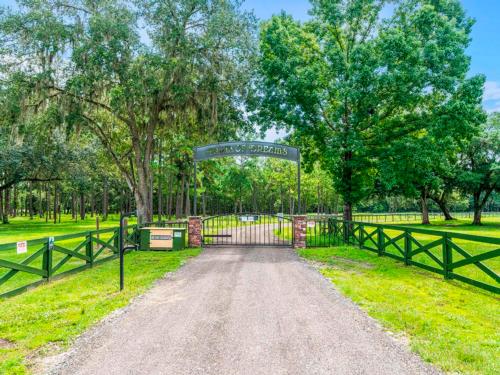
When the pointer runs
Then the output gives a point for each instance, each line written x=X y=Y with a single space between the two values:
x=45 y=320
x=490 y=226
x=449 y=324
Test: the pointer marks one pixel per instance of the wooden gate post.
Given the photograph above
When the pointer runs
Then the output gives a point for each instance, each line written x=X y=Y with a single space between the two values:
x=194 y=231
x=299 y=231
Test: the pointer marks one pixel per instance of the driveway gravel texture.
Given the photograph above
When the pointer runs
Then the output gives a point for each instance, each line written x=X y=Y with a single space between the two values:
x=248 y=310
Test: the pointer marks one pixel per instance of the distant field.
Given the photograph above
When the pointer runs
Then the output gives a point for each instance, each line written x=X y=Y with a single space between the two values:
x=22 y=228
x=490 y=227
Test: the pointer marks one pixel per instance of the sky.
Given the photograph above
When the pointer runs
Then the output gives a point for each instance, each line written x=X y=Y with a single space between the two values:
x=484 y=49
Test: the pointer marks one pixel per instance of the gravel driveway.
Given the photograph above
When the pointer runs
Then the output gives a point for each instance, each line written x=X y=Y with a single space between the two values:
x=241 y=311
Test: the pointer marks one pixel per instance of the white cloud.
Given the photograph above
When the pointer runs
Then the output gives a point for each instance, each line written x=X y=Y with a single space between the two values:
x=491 y=91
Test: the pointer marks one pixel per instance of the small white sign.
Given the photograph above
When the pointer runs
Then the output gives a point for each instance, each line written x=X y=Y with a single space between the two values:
x=280 y=215
x=51 y=243
x=249 y=218
x=22 y=247
x=311 y=224
x=177 y=234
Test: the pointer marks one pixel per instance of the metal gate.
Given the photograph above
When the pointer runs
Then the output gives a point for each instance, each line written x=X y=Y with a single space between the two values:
x=248 y=230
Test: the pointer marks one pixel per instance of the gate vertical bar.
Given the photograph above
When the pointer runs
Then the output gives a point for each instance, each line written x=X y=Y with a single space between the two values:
x=298 y=184
x=195 y=195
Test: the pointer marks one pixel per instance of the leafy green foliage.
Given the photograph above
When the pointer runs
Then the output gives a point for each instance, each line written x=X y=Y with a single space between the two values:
x=350 y=82
x=91 y=59
x=480 y=162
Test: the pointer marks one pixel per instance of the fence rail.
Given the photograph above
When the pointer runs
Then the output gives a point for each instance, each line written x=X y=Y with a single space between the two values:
x=56 y=257
x=167 y=224
x=471 y=259
x=403 y=216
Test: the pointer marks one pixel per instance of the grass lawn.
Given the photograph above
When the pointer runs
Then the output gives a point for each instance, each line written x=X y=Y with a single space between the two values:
x=448 y=323
x=490 y=227
x=48 y=318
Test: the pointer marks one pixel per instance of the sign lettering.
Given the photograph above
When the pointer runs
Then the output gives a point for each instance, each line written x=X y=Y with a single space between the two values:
x=246 y=148
x=22 y=247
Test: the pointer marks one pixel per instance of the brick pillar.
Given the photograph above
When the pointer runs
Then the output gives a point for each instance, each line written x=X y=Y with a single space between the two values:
x=194 y=231
x=299 y=231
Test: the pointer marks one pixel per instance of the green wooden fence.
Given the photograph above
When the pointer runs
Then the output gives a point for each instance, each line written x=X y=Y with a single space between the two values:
x=471 y=259
x=55 y=257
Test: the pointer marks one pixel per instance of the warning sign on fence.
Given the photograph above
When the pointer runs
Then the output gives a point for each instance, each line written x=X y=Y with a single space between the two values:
x=22 y=247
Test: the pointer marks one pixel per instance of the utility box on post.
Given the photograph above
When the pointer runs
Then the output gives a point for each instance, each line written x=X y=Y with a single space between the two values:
x=162 y=238
x=179 y=238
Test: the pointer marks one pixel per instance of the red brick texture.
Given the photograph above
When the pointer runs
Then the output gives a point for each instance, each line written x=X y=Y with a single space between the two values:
x=299 y=231
x=194 y=231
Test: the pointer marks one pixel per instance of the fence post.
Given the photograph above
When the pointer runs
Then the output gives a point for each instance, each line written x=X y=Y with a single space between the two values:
x=116 y=241
x=47 y=260
x=447 y=257
x=195 y=228
x=361 y=235
x=299 y=231
x=89 y=250
x=407 y=249
x=380 y=241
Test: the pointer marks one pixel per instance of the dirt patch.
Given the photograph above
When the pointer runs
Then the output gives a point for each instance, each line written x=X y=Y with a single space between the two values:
x=342 y=263
x=6 y=344
x=351 y=262
x=36 y=359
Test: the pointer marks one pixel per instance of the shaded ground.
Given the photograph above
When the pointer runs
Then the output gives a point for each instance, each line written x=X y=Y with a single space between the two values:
x=241 y=311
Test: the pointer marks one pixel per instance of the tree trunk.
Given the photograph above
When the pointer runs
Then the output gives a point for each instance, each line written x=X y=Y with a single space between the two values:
x=6 y=211
x=1 y=206
x=425 y=208
x=40 y=202
x=14 y=203
x=82 y=206
x=105 y=198
x=56 y=202
x=142 y=191
x=30 y=200
x=48 y=213
x=479 y=204
x=73 y=205
x=477 y=216
x=170 y=195
x=180 y=199
x=160 y=184
x=348 y=211
x=92 y=203
x=444 y=209
x=347 y=177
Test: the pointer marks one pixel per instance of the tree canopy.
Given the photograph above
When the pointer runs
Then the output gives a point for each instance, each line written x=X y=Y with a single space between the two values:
x=350 y=82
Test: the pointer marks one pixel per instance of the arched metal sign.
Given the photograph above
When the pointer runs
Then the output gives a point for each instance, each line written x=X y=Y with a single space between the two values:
x=266 y=149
